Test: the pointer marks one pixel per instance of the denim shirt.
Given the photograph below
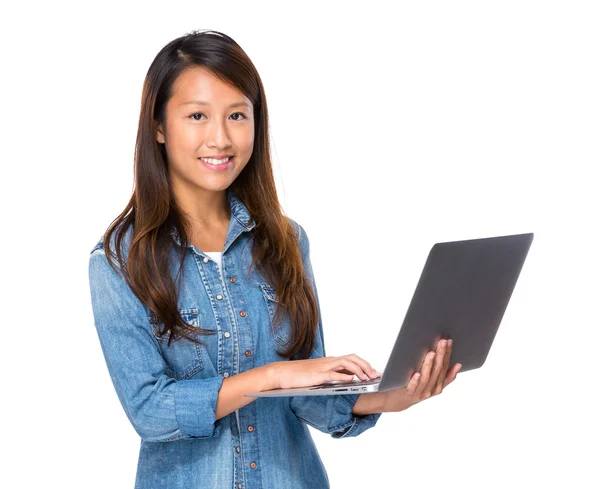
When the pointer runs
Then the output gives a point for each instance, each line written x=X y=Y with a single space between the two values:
x=169 y=393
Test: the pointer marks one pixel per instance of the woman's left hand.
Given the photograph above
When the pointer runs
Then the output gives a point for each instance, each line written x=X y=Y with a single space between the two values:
x=434 y=376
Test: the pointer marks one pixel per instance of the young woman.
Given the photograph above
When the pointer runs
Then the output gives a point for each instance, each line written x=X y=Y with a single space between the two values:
x=202 y=291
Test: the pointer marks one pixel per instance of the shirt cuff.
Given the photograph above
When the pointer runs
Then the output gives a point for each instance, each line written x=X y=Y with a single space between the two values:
x=344 y=423
x=195 y=405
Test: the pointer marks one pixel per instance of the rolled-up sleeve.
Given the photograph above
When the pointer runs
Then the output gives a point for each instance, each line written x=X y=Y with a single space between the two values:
x=328 y=414
x=159 y=407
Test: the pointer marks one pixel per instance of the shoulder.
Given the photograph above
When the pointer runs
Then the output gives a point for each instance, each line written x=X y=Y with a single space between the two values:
x=301 y=235
x=294 y=224
x=125 y=242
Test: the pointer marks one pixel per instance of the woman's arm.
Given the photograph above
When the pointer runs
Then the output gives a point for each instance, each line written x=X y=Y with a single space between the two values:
x=159 y=407
x=232 y=395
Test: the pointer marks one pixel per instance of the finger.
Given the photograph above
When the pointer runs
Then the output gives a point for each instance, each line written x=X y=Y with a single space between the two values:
x=332 y=369
x=413 y=384
x=351 y=366
x=452 y=373
x=439 y=386
x=365 y=371
x=425 y=373
x=337 y=365
x=342 y=374
x=437 y=367
x=339 y=376
x=366 y=366
x=344 y=371
x=347 y=376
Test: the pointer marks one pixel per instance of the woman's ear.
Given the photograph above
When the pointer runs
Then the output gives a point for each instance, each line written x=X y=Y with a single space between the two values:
x=158 y=132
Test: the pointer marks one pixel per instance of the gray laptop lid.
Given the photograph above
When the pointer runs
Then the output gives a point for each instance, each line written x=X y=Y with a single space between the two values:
x=462 y=294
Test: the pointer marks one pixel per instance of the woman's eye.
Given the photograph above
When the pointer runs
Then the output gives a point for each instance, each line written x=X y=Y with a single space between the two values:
x=200 y=113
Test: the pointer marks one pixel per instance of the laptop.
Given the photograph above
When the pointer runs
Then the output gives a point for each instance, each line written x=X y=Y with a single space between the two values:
x=463 y=292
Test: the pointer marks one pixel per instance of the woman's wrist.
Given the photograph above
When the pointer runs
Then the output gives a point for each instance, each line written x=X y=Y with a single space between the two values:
x=272 y=375
x=370 y=404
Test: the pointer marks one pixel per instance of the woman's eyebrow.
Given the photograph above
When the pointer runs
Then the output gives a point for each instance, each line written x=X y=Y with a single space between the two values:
x=202 y=102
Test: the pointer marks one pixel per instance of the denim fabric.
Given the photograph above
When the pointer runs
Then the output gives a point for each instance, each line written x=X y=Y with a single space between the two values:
x=170 y=393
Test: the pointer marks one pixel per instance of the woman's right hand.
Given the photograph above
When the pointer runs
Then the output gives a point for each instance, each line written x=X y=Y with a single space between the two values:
x=316 y=371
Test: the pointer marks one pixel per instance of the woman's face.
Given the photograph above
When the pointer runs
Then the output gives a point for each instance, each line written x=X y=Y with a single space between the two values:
x=194 y=130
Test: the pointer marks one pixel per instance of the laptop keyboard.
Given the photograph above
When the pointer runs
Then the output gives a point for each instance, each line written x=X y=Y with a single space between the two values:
x=344 y=384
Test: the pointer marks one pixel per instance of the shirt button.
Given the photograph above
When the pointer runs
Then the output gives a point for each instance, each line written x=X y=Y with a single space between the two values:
x=226 y=374
x=248 y=353
x=243 y=313
x=219 y=297
x=250 y=428
x=205 y=260
x=237 y=449
x=240 y=486
x=253 y=465
x=226 y=334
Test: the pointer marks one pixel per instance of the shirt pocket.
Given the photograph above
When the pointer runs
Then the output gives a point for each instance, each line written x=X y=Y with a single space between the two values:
x=281 y=333
x=183 y=357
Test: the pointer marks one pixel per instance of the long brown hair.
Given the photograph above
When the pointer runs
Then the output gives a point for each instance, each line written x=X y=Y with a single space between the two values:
x=153 y=211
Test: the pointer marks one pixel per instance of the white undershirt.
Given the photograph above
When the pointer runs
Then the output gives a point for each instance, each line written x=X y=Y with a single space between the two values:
x=216 y=256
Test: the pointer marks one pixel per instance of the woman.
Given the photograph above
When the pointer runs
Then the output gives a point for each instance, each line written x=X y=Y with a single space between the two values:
x=203 y=291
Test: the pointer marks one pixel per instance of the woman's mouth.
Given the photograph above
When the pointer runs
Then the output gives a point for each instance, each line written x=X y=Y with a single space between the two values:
x=216 y=164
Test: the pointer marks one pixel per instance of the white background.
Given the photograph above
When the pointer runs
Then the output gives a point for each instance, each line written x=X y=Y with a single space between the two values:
x=393 y=128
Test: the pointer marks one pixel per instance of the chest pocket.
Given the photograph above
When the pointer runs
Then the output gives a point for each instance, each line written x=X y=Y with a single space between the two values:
x=183 y=358
x=281 y=333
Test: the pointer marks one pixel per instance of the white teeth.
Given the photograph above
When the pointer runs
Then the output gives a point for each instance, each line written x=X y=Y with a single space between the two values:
x=212 y=161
